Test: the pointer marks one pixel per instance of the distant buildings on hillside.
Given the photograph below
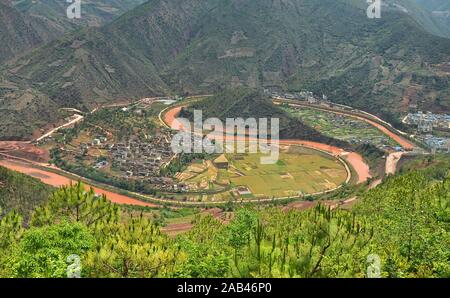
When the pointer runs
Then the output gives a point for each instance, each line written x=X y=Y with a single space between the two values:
x=426 y=122
x=302 y=95
x=436 y=144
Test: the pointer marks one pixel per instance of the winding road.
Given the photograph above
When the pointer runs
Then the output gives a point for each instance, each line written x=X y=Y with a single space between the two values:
x=168 y=118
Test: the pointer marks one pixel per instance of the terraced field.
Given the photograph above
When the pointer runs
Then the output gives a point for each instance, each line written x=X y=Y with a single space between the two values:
x=342 y=127
x=299 y=171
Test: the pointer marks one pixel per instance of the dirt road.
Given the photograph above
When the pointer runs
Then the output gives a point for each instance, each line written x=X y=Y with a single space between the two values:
x=77 y=118
x=392 y=161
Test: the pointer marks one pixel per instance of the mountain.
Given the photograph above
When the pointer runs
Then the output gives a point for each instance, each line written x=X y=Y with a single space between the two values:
x=248 y=103
x=19 y=32
x=26 y=24
x=193 y=46
x=93 y=12
x=440 y=11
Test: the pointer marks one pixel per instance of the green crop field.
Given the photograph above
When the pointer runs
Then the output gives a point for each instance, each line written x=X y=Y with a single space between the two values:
x=298 y=170
x=342 y=127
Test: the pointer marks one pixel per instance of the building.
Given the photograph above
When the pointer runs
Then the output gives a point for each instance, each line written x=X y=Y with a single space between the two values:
x=221 y=162
x=243 y=191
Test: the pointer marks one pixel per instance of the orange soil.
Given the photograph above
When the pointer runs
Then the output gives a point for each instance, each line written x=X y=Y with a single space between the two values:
x=353 y=158
x=24 y=150
x=178 y=228
x=404 y=143
x=56 y=180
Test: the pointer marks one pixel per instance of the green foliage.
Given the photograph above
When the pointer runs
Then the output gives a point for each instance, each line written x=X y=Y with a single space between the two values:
x=21 y=192
x=410 y=215
x=10 y=229
x=75 y=204
x=43 y=252
x=206 y=254
x=135 y=248
x=405 y=221
x=316 y=243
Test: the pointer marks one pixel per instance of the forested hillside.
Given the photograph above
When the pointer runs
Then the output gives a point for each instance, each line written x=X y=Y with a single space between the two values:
x=404 y=222
x=194 y=46
x=21 y=193
x=94 y=12
x=20 y=33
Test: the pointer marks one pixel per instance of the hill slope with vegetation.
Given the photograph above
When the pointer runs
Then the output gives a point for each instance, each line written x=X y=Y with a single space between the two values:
x=440 y=11
x=403 y=223
x=93 y=12
x=248 y=103
x=21 y=193
x=20 y=32
x=195 y=46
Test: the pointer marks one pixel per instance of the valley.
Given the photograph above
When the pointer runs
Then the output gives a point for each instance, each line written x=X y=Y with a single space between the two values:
x=218 y=139
x=199 y=182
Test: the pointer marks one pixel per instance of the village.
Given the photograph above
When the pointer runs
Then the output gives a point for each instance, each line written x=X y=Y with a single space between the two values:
x=427 y=125
x=431 y=130
x=136 y=159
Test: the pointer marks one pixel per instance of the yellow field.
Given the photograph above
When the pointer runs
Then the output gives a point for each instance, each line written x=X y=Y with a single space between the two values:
x=298 y=171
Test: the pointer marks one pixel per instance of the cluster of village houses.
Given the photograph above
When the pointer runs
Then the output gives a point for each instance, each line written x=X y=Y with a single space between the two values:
x=138 y=159
x=302 y=95
x=143 y=159
x=437 y=144
x=426 y=123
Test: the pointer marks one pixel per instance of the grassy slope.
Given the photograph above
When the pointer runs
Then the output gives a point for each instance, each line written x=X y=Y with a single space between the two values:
x=20 y=192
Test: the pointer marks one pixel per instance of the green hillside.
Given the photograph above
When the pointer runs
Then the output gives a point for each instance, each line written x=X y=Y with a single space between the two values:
x=20 y=192
x=189 y=47
x=26 y=24
x=429 y=14
x=94 y=12
x=440 y=11
x=20 y=33
x=403 y=223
